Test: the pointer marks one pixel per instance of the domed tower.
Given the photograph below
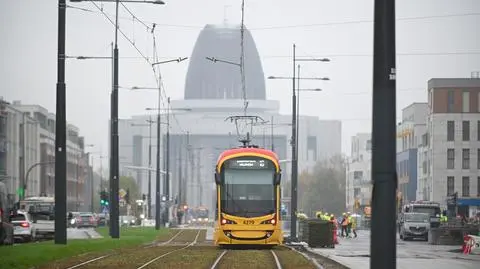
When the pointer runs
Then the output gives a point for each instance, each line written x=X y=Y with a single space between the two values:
x=208 y=80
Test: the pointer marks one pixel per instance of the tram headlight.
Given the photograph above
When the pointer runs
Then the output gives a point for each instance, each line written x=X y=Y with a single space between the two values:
x=270 y=221
x=227 y=221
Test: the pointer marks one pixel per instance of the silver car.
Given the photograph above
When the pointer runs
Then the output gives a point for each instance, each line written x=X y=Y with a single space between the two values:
x=414 y=225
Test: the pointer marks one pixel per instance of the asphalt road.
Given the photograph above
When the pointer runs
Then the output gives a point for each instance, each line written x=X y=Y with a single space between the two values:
x=354 y=253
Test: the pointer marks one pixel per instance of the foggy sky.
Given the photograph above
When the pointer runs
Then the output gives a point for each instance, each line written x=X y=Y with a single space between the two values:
x=28 y=47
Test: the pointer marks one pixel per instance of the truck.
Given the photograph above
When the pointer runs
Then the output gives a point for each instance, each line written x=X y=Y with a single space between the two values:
x=42 y=213
x=432 y=209
x=6 y=228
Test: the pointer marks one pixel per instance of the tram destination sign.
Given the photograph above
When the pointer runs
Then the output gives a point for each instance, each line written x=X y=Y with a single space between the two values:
x=248 y=164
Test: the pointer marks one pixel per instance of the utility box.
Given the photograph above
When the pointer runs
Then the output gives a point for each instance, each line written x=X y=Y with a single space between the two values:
x=316 y=233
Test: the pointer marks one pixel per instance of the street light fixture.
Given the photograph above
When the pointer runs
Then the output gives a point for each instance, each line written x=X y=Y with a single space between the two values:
x=179 y=59
x=213 y=59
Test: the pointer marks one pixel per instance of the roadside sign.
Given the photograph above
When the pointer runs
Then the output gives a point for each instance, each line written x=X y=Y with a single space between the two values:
x=122 y=193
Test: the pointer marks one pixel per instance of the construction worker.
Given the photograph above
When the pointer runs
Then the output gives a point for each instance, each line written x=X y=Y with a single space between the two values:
x=319 y=215
x=344 y=225
x=443 y=217
x=326 y=216
x=353 y=222
x=349 y=225
x=334 y=223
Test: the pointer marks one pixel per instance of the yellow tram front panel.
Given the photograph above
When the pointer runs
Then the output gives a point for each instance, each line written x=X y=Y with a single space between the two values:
x=234 y=230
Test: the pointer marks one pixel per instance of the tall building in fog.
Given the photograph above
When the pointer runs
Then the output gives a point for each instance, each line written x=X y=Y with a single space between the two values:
x=199 y=132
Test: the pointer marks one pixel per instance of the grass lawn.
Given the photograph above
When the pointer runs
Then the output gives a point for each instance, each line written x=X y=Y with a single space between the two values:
x=37 y=254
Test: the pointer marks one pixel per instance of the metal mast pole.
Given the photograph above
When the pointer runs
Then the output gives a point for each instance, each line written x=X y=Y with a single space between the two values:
x=149 y=199
x=271 y=130
x=298 y=113
x=61 y=134
x=293 y=213
x=167 y=169
x=383 y=237
x=157 y=171
x=114 y=180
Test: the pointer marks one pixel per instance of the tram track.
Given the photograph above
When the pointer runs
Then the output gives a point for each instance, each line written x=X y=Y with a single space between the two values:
x=179 y=241
x=187 y=248
x=271 y=260
x=171 y=252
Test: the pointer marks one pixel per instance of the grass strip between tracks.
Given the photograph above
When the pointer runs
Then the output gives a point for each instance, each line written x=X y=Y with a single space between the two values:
x=240 y=259
x=291 y=259
x=35 y=255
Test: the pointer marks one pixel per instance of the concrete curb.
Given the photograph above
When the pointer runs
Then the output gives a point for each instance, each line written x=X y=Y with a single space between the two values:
x=314 y=261
x=328 y=257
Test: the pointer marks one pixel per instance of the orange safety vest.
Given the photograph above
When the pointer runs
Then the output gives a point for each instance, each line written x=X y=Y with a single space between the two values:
x=345 y=221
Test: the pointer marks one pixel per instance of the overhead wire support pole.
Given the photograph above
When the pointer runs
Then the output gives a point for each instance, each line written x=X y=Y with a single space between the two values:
x=167 y=168
x=293 y=205
x=298 y=112
x=383 y=237
x=242 y=60
x=61 y=134
x=114 y=172
x=149 y=200
x=157 y=171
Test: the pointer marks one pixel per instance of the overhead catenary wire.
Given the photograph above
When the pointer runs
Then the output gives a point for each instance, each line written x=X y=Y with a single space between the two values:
x=136 y=18
x=143 y=56
x=121 y=32
x=279 y=27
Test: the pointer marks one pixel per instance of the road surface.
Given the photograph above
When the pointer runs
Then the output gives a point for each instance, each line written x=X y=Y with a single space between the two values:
x=354 y=253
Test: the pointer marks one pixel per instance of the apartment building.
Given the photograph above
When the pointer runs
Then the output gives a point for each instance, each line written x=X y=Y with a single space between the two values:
x=19 y=150
x=409 y=137
x=77 y=172
x=453 y=143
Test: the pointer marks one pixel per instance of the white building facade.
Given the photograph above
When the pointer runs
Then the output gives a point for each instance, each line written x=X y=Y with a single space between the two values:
x=453 y=150
x=19 y=149
x=358 y=185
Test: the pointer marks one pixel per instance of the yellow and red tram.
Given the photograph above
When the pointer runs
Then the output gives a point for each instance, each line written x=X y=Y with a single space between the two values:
x=248 y=198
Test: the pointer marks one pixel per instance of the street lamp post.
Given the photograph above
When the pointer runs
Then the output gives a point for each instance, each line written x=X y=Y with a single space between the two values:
x=114 y=151
x=60 y=141
x=294 y=194
x=149 y=199
x=167 y=176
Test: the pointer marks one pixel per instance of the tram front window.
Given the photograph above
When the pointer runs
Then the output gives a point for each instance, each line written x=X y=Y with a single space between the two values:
x=248 y=193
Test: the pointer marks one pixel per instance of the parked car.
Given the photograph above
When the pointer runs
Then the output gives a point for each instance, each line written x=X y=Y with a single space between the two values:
x=23 y=226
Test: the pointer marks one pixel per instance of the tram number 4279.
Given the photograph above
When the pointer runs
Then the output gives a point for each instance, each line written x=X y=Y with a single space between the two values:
x=248 y=222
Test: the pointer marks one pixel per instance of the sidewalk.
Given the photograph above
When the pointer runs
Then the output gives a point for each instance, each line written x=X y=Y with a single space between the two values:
x=355 y=254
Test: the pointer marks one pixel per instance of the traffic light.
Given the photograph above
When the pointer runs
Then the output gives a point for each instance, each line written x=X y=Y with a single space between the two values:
x=144 y=197
x=104 y=198
x=455 y=196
